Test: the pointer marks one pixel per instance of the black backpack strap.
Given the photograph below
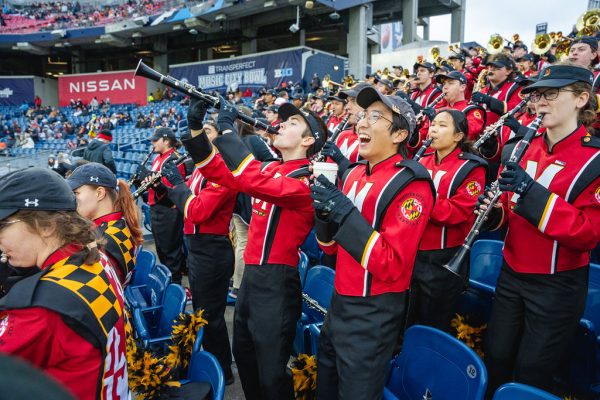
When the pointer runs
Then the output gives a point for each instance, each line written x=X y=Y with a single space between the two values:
x=464 y=171
x=588 y=173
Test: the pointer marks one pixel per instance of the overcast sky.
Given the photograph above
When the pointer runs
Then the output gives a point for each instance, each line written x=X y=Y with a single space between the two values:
x=507 y=17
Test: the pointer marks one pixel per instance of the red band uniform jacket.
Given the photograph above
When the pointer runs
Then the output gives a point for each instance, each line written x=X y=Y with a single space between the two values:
x=557 y=224
x=377 y=243
x=154 y=197
x=348 y=143
x=458 y=179
x=508 y=92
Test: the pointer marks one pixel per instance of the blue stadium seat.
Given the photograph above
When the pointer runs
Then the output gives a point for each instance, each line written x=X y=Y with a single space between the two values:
x=146 y=214
x=519 y=391
x=163 y=273
x=204 y=367
x=486 y=261
x=435 y=365
x=303 y=268
x=144 y=263
x=319 y=287
x=148 y=295
x=311 y=248
x=154 y=325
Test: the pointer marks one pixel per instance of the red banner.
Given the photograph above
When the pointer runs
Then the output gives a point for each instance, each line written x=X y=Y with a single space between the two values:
x=119 y=87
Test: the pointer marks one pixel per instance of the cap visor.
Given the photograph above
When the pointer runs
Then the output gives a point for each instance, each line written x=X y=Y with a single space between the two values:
x=370 y=95
x=74 y=183
x=7 y=212
x=440 y=78
x=548 y=83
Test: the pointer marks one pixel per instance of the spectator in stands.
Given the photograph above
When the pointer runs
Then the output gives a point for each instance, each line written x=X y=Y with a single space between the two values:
x=94 y=104
x=99 y=151
x=37 y=102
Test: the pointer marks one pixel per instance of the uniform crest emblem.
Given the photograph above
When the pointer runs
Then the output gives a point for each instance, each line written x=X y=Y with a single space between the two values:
x=474 y=188
x=411 y=209
x=597 y=194
x=3 y=323
x=477 y=114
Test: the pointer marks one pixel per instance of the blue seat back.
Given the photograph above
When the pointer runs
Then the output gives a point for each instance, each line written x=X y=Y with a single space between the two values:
x=172 y=306
x=518 y=391
x=486 y=261
x=303 y=268
x=146 y=214
x=311 y=248
x=162 y=273
x=592 y=306
x=204 y=367
x=432 y=360
x=144 y=263
x=156 y=290
x=319 y=286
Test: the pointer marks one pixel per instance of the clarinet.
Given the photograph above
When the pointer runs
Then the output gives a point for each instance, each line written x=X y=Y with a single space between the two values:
x=135 y=177
x=492 y=129
x=423 y=149
x=338 y=129
x=147 y=185
x=454 y=264
x=312 y=303
x=421 y=113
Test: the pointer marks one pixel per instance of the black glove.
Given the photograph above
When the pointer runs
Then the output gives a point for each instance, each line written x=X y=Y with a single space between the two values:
x=430 y=113
x=481 y=198
x=480 y=98
x=142 y=172
x=196 y=113
x=331 y=150
x=227 y=115
x=512 y=123
x=170 y=171
x=515 y=179
x=327 y=198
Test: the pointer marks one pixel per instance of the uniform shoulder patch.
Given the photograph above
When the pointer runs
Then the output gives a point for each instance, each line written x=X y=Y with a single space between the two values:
x=597 y=194
x=477 y=114
x=473 y=188
x=411 y=208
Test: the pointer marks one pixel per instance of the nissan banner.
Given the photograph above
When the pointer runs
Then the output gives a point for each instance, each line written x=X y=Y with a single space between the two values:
x=120 y=87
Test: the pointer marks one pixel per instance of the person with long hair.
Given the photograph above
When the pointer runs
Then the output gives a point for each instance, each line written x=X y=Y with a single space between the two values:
x=551 y=206
x=68 y=318
x=459 y=179
x=108 y=202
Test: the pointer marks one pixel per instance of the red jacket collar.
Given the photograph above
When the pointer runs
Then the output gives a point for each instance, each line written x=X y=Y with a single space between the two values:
x=108 y=217
x=60 y=254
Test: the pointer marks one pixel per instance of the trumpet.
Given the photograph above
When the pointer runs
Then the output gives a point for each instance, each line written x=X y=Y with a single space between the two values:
x=541 y=44
x=495 y=45
x=183 y=87
x=157 y=177
x=454 y=264
x=492 y=130
x=434 y=52
x=480 y=84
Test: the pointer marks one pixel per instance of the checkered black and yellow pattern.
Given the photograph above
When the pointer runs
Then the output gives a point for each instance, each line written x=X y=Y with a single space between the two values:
x=90 y=283
x=119 y=244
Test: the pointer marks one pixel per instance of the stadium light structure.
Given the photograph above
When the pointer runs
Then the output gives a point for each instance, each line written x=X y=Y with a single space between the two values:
x=270 y=3
x=195 y=23
x=178 y=27
x=141 y=21
x=30 y=48
x=59 y=33
x=136 y=35
x=112 y=40
x=220 y=16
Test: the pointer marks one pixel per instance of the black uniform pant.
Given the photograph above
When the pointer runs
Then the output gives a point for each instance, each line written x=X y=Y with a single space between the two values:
x=434 y=290
x=266 y=311
x=356 y=345
x=533 y=319
x=167 y=229
x=210 y=266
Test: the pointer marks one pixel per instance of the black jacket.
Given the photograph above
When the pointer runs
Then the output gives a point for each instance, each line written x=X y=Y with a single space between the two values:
x=100 y=152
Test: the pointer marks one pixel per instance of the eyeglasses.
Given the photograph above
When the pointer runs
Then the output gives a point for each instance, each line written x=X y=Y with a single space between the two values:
x=372 y=117
x=5 y=224
x=550 y=94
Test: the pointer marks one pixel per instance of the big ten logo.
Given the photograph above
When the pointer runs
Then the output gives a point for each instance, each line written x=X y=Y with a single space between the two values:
x=283 y=72
x=211 y=69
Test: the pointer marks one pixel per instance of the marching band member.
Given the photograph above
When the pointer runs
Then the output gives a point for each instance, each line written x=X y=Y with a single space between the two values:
x=207 y=209
x=269 y=299
x=338 y=105
x=551 y=204
x=167 y=220
x=459 y=178
x=458 y=61
x=502 y=94
x=426 y=90
x=526 y=64
x=373 y=267
x=67 y=319
x=108 y=202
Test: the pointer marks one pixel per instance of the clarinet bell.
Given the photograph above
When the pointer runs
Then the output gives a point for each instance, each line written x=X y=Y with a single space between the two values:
x=454 y=264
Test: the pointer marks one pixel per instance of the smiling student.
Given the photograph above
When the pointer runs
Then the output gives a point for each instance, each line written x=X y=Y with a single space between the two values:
x=269 y=299
x=459 y=178
x=374 y=225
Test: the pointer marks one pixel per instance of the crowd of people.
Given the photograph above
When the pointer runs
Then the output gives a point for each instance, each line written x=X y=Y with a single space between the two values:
x=59 y=15
x=417 y=156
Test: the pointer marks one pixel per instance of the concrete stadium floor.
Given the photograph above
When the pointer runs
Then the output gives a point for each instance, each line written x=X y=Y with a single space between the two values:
x=234 y=391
